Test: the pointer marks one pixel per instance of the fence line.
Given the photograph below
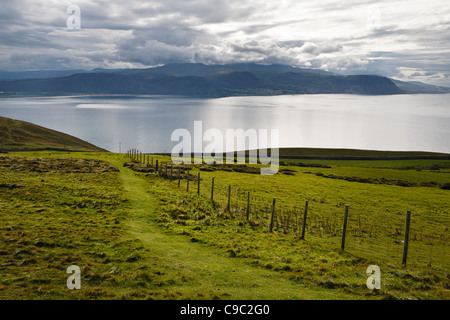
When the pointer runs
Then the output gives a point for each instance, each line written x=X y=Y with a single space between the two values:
x=353 y=232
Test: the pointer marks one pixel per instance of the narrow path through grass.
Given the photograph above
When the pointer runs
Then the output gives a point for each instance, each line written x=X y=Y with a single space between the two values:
x=212 y=275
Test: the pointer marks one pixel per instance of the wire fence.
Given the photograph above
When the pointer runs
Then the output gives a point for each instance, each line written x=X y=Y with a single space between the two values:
x=364 y=236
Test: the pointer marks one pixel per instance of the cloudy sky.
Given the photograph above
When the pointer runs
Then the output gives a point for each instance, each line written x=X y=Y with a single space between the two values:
x=407 y=40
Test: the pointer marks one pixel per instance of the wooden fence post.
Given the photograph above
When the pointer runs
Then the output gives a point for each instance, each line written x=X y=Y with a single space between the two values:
x=304 y=220
x=272 y=216
x=212 y=189
x=156 y=168
x=248 y=205
x=406 y=239
x=187 y=180
x=198 y=184
x=344 y=228
x=229 y=199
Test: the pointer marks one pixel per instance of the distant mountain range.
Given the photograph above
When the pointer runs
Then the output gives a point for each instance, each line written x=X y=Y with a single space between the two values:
x=199 y=80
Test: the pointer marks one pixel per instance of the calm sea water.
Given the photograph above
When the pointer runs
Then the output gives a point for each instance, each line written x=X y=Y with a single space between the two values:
x=118 y=123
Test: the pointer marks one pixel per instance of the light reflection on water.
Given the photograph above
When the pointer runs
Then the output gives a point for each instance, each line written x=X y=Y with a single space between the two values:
x=398 y=122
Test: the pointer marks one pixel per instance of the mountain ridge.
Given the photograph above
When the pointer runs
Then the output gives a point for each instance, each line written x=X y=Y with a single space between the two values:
x=210 y=81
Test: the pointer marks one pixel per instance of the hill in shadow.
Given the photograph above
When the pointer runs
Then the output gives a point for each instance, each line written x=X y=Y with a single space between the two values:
x=16 y=135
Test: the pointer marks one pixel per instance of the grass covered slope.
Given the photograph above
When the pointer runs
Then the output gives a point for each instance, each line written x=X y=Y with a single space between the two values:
x=16 y=135
x=138 y=235
x=62 y=209
x=378 y=192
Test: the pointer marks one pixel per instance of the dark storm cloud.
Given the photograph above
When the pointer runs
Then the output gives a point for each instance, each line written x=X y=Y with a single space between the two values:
x=10 y=13
x=37 y=37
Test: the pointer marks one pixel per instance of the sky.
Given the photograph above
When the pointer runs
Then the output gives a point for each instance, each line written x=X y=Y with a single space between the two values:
x=405 y=40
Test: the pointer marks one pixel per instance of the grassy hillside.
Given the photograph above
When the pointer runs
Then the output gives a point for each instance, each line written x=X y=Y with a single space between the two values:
x=137 y=234
x=62 y=209
x=16 y=135
x=379 y=193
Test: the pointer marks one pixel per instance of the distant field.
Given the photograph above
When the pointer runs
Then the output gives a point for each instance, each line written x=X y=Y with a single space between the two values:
x=352 y=153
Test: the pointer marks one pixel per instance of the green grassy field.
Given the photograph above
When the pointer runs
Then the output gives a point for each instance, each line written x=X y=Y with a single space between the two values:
x=140 y=235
